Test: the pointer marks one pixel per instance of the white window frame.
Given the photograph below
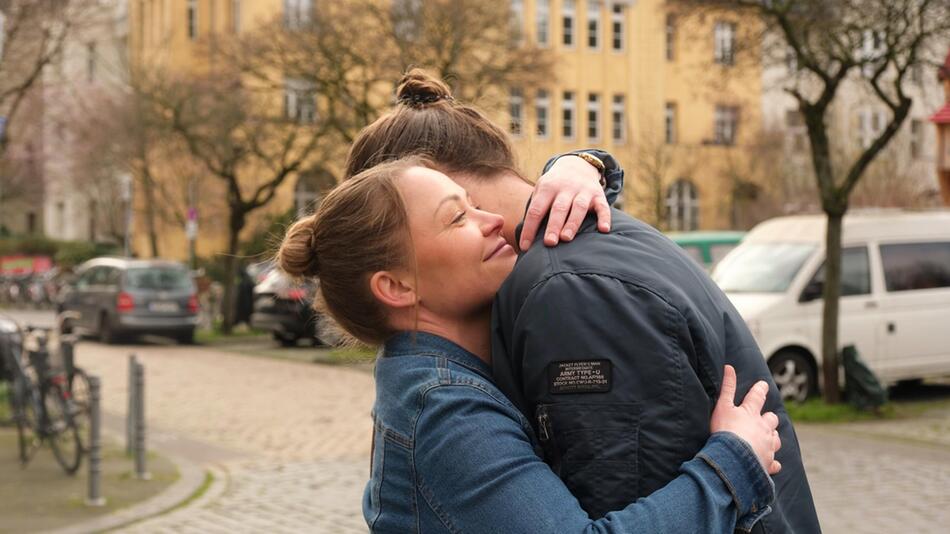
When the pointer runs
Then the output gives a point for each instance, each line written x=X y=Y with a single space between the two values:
x=618 y=27
x=726 y=125
x=542 y=17
x=916 y=138
x=619 y=118
x=517 y=18
x=724 y=37
x=516 y=111
x=236 y=16
x=300 y=101
x=669 y=123
x=593 y=24
x=568 y=23
x=297 y=13
x=682 y=206
x=542 y=114
x=568 y=115
x=593 y=116
x=870 y=124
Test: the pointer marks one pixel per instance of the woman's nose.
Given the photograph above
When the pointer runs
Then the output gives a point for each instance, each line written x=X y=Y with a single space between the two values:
x=491 y=222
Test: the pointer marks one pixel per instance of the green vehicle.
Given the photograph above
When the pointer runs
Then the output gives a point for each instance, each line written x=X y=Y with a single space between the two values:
x=707 y=248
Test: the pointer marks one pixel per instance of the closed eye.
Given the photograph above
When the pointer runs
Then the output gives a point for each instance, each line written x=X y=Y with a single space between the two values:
x=459 y=217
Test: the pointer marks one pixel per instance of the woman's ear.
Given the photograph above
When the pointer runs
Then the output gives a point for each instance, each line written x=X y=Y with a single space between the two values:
x=392 y=290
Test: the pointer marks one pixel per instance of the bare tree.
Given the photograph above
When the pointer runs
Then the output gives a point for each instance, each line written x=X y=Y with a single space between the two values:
x=874 y=44
x=240 y=140
x=471 y=43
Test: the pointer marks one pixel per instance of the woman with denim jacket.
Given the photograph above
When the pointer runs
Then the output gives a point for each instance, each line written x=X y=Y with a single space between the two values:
x=406 y=262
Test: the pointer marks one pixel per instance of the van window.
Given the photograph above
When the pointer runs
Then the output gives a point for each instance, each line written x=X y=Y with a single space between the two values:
x=855 y=272
x=762 y=267
x=718 y=252
x=910 y=266
x=161 y=278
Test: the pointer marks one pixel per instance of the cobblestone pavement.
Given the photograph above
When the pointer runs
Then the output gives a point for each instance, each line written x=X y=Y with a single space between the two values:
x=289 y=443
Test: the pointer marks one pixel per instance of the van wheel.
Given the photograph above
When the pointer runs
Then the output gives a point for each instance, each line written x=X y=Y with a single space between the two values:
x=794 y=376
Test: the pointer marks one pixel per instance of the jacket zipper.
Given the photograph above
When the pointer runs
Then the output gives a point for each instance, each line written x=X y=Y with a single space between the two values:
x=544 y=424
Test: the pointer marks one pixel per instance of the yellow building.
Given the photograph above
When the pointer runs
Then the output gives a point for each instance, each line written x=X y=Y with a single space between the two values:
x=671 y=96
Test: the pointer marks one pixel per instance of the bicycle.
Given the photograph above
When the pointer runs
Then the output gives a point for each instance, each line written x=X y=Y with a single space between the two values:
x=43 y=405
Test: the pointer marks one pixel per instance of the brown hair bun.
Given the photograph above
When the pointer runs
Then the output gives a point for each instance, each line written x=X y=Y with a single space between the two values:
x=417 y=88
x=297 y=255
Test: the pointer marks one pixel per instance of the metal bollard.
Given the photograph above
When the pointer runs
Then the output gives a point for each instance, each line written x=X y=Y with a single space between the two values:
x=130 y=414
x=140 y=470
x=94 y=497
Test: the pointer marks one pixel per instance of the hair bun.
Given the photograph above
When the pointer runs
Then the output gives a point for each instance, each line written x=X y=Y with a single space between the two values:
x=298 y=253
x=417 y=88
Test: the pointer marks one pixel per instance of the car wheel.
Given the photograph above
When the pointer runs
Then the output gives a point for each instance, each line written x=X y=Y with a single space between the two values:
x=794 y=375
x=107 y=333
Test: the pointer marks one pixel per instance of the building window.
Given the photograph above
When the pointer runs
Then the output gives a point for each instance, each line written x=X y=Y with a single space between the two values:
x=670 y=123
x=60 y=218
x=567 y=19
x=543 y=20
x=516 y=110
x=727 y=120
x=91 y=62
x=593 y=116
x=617 y=17
x=31 y=222
x=682 y=206
x=306 y=195
x=297 y=13
x=725 y=43
x=593 y=24
x=93 y=211
x=236 y=16
x=300 y=102
x=670 y=37
x=517 y=18
x=795 y=124
x=542 y=107
x=192 y=19
x=567 y=115
x=870 y=124
x=791 y=60
x=872 y=48
x=916 y=138
x=619 y=119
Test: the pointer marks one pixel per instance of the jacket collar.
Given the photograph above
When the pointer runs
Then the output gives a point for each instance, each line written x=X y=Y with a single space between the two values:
x=409 y=343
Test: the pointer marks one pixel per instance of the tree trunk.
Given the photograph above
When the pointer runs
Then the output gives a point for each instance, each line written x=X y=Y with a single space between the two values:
x=831 y=294
x=150 y=211
x=237 y=221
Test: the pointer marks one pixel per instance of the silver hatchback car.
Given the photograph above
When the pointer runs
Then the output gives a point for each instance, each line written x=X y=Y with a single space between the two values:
x=115 y=297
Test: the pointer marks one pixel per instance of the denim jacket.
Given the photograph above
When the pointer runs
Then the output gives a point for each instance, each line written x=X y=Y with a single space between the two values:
x=452 y=454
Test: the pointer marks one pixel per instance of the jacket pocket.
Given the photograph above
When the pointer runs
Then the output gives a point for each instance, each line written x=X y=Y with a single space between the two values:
x=593 y=448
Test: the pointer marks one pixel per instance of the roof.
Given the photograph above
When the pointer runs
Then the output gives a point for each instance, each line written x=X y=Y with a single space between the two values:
x=859 y=225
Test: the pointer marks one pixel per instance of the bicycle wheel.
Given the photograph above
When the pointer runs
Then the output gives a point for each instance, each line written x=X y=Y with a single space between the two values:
x=81 y=404
x=61 y=431
x=25 y=404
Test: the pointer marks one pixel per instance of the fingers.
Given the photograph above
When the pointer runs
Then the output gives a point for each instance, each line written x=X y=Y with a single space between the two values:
x=579 y=209
x=770 y=419
x=537 y=209
x=774 y=467
x=755 y=398
x=603 y=214
x=727 y=394
x=776 y=441
x=559 y=210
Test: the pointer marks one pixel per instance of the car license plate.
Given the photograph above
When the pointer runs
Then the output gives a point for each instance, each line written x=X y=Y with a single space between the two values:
x=163 y=306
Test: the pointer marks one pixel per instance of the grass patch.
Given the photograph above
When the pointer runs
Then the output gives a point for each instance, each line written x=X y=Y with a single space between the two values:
x=202 y=489
x=350 y=355
x=817 y=411
x=214 y=336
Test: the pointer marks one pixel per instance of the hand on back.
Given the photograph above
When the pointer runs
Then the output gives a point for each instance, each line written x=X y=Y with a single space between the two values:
x=747 y=421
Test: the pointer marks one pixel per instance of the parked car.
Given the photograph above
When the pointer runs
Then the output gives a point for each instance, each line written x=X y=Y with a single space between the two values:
x=895 y=287
x=116 y=297
x=707 y=248
x=284 y=307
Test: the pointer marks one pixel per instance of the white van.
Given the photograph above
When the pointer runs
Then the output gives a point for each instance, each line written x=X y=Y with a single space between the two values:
x=895 y=287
